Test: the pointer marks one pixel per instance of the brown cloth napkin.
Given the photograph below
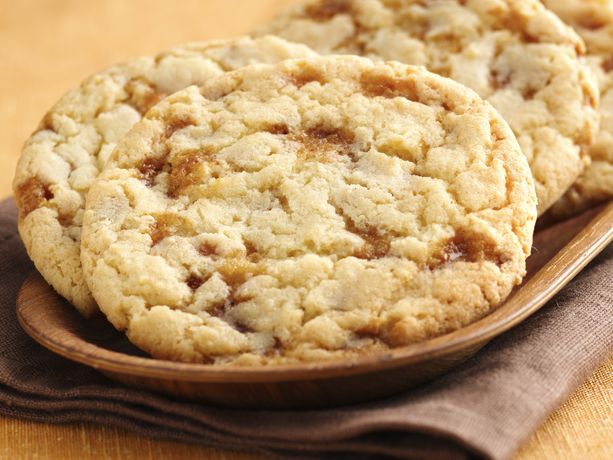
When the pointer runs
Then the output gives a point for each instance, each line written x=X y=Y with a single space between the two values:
x=485 y=409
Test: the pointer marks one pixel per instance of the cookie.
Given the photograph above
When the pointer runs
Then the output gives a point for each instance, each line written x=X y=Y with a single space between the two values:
x=314 y=209
x=593 y=20
x=62 y=158
x=514 y=53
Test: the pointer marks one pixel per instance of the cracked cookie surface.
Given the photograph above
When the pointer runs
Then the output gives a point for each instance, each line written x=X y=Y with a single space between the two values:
x=62 y=158
x=514 y=53
x=309 y=210
x=593 y=20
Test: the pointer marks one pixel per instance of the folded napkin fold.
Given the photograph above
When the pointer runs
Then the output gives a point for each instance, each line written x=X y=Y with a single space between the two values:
x=486 y=408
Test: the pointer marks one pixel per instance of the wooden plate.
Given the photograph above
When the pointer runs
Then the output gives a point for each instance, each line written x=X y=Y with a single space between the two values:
x=56 y=325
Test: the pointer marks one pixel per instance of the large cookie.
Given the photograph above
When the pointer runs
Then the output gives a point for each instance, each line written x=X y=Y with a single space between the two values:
x=593 y=20
x=312 y=209
x=514 y=53
x=62 y=158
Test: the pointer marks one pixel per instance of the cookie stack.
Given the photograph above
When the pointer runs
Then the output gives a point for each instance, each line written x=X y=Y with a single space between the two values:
x=258 y=201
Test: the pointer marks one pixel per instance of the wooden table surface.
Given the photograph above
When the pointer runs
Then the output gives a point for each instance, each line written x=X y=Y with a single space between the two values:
x=48 y=46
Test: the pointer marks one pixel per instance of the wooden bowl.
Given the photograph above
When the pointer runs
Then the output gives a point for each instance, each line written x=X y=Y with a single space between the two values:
x=52 y=322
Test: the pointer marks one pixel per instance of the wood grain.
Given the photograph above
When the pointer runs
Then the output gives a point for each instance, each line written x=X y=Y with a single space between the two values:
x=48 y=46
x=21 y=439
